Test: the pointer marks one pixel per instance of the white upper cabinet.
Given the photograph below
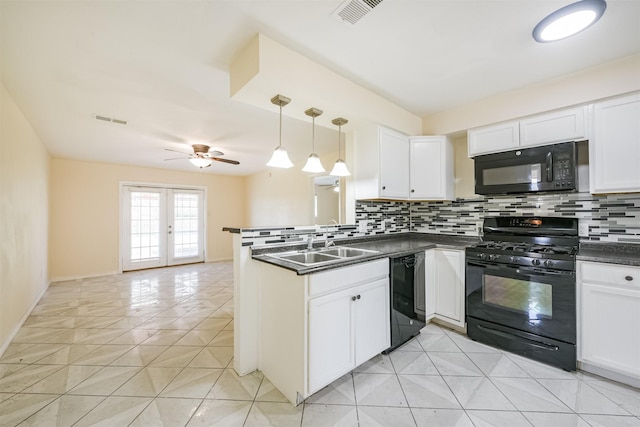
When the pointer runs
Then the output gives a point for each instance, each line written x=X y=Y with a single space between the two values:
x=542 y=129
x=494 y=138
x=394 y=167
x=550 y=128
x=431 y=168
x=405 y=168
x=614 y=149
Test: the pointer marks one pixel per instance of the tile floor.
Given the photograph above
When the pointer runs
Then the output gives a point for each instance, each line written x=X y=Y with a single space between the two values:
x=155 y=348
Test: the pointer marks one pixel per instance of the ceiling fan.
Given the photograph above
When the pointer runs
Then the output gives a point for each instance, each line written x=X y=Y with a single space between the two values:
x=202 y=157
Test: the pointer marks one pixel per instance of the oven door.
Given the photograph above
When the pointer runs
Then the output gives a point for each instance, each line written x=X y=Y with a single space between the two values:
x=537 y=302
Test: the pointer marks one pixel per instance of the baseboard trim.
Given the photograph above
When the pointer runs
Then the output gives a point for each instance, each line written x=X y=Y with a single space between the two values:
x=4 y=345
x=88 y=276
x=609 y=373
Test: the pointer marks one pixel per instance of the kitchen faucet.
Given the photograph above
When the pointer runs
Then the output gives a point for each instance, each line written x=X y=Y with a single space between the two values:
x=310 y=242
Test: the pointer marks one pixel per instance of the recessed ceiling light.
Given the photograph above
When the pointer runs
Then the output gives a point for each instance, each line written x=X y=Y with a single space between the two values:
x=569 y=20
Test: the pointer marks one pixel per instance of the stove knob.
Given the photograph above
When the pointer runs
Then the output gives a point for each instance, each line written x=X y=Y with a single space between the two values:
x=514 y=259
x=492 y=257
x=548 y=263
x=482 y=256
x=535 y=261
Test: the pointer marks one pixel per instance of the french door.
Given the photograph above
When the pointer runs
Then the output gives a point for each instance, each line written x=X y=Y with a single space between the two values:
x=161 y=227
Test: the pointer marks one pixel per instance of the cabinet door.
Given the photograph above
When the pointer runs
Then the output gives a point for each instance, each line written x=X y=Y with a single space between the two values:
x=431 y=168
x=493 y=139
x=331 y=333
x=394 y=164
x=558 y=126
x=450 y=284
x=372 y=320
x=614 y=150
x=609 y=328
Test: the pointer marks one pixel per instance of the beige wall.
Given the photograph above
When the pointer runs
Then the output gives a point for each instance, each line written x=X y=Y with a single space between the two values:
x=24 y=213
x=610 y=79
x=277 y=197
x=85 y=202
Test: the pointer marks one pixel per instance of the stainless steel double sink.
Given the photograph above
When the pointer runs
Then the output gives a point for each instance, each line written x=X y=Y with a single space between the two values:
x=321 y=256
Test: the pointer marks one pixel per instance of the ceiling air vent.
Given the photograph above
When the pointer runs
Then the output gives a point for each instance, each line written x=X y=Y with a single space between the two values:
x=109 y=119
x=352 y=11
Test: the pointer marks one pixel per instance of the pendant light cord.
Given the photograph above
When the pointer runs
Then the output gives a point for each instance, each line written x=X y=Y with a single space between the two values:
x=280 y=140
x=339 y=146
x=313 y=134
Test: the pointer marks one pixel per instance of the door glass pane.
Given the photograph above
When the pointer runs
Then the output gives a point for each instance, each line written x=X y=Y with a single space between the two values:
x=185 y=225
x=145 y=225
x=531 y=298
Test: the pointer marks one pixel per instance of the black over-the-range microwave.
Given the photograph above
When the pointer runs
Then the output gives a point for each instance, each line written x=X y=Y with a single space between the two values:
x=528 y=170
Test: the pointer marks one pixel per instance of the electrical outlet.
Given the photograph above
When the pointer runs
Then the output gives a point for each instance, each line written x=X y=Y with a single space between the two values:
x=583 y=229
x=383 y=225
x=362 y=226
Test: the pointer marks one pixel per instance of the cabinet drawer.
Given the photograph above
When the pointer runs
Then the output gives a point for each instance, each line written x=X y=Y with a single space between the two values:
x=610 y=274
x=341 y=278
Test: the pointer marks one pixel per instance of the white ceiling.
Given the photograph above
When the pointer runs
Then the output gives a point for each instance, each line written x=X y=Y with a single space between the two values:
x=163 y=66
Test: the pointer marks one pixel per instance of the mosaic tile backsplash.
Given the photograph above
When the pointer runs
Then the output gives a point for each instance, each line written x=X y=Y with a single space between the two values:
x=610 y=218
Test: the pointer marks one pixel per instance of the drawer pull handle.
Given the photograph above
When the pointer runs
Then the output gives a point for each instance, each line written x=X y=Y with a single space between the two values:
x=628 y=278
x=353 y=298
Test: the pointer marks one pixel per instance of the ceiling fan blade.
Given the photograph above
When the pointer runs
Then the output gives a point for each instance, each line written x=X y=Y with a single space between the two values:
x=218 y=159
x=177 y=158
x=215 y=153
x=177 y=151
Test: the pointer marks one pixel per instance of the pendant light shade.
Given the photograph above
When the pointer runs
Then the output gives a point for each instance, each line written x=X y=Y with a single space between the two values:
x=313 y=165
x=569 y=20
x=340 y=167
x=280 y=158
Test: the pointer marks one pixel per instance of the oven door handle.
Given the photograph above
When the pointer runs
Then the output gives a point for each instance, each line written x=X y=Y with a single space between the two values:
x=531 y=271
x=549 y=167
x=533 y=343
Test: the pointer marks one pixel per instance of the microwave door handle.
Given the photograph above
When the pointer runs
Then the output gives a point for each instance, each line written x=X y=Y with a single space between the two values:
x=549 y=167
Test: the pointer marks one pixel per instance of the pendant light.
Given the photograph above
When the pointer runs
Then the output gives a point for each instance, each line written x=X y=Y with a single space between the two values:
x=340 y=168
x=280 y=158
x=569 y=20
x=313 y=165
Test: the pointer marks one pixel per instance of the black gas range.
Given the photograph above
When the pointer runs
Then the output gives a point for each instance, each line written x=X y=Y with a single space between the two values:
x=520 y=287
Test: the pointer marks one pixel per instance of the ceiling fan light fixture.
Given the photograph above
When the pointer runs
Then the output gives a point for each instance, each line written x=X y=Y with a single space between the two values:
x=313 y=165
x=201 y=162
x=340 y=167
x=280 y=157
x=569 y=20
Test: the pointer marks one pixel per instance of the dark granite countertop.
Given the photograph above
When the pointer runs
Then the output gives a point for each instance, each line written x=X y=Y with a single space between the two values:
x=614 y=253
x=390 y=245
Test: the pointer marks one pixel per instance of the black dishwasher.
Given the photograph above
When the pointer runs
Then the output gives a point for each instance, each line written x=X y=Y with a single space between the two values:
x=407 y=298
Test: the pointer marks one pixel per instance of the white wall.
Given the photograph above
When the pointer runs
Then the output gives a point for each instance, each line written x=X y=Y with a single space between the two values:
x=24 y=216
x=278 y=197
x=85 y=209
x=610 y=79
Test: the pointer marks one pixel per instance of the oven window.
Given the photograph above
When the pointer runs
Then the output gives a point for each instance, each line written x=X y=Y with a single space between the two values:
x=520 y=174
x=531 y=298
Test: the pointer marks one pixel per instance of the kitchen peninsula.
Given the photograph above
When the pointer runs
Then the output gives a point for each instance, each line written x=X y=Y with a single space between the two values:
x=257 y=284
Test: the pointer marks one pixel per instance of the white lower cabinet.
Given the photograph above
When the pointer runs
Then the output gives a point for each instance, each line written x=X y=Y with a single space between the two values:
x=346 y=329
x=317 y=327
x=445 y=285
x=609 y=315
